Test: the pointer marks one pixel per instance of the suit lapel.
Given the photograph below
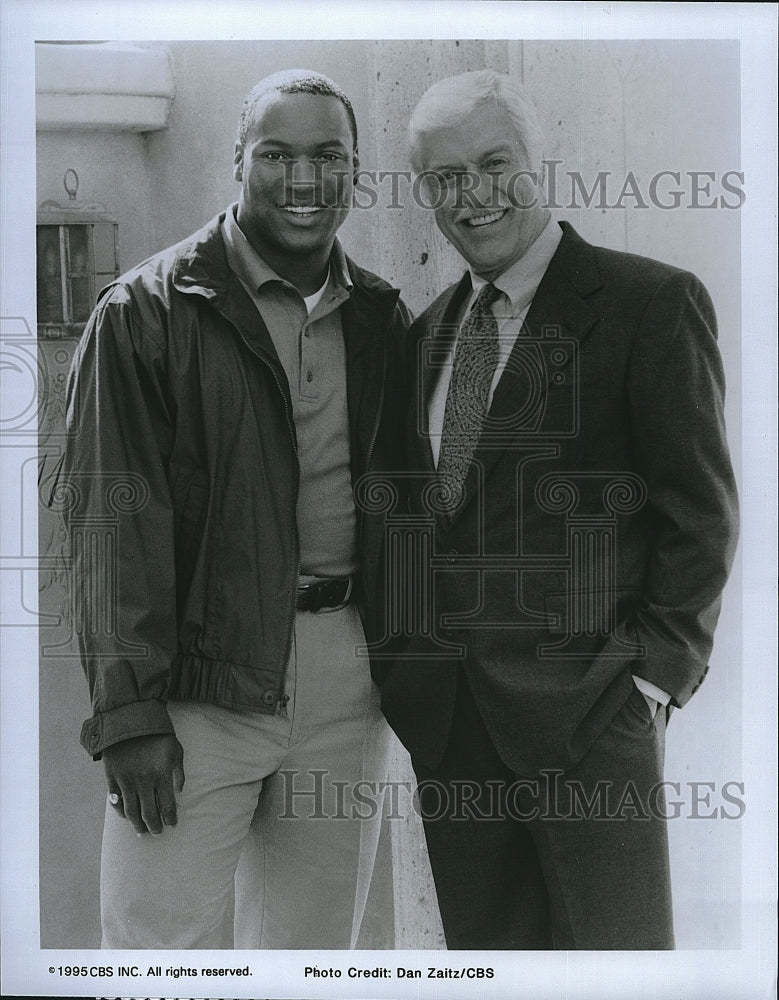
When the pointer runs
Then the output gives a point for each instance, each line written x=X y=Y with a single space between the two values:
x=564 y=299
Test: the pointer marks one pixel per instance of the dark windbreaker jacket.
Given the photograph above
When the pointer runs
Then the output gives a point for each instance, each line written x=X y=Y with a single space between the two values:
x=181 y=476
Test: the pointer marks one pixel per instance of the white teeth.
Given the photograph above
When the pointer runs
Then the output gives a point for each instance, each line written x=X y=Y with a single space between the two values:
x=485 y=220
x=302 y=209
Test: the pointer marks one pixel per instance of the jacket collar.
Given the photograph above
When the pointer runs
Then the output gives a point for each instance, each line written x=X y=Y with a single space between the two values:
x=200 y=265
x=566 y=287
x=200 y=268
x=519 y=283
x=254 y=271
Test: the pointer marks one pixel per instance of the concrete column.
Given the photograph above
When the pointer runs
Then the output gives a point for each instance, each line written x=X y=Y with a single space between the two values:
x=417 y=920
x=407 y=248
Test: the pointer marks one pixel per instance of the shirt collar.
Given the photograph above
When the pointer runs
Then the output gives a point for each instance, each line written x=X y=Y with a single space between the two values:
x=520 y=281
x=253 y=271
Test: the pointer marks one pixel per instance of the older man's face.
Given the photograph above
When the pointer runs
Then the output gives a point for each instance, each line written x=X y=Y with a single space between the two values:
x=296 y=169
x=488 y=208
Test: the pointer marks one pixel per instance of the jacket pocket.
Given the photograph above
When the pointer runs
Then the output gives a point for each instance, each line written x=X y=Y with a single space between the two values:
x=634 y=718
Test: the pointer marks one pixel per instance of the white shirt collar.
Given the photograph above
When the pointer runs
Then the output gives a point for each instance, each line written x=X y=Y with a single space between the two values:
x=520 y=281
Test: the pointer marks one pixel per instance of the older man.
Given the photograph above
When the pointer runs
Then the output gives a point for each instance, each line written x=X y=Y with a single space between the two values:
x=240 y=381
x=568 y=451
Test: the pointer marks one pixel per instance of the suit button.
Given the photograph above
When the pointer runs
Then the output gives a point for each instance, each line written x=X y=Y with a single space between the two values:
x=451 y=555
x=269 y=698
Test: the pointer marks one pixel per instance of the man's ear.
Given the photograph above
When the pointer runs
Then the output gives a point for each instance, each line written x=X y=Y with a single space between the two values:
x=238 y=162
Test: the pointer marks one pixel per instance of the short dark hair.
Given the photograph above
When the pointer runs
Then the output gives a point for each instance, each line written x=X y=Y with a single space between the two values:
x=293 y=81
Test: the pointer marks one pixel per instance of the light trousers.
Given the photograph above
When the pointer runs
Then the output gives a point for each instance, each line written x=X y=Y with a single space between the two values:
x=280 y=813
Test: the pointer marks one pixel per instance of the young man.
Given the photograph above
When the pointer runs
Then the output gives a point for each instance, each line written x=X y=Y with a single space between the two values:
x=567 y=446
x=239 y=382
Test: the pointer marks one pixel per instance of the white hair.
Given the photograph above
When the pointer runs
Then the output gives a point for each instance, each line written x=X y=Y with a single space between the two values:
x=450 y=101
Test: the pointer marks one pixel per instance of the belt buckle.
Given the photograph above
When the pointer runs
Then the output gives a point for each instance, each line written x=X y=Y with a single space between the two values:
x=318 y=594
x=324 y=592
x=303 y=588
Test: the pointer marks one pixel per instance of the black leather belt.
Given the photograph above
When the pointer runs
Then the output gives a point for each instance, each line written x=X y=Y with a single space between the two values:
x=324 y=594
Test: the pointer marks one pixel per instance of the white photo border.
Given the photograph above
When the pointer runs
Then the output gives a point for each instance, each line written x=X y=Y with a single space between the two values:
x=746 y=972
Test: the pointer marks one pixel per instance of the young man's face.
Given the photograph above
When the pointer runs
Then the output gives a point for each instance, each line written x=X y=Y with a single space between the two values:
x=296 y=173
x=479 y=208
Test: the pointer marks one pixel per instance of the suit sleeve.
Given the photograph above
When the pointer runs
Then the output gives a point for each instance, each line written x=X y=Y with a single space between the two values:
x=119 y=516
x=676 y=392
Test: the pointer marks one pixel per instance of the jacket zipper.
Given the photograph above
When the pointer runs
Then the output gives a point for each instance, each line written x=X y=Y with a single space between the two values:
x=294 y=561
x=291 y=601
x=374 y=433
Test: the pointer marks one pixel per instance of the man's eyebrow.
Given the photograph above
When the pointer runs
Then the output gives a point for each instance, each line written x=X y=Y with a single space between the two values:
x=280 y=144
x=441 y=167
x=330 y=143
x=492 y=151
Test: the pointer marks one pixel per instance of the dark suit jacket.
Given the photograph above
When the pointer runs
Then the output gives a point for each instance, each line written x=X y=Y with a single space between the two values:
x=599 y=522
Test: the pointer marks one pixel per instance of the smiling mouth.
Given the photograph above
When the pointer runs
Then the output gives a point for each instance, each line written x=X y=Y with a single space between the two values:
x=477 y=221
x=302 y=211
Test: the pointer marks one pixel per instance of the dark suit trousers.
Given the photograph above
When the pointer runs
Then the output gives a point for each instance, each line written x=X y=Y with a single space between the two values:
x=574 y=860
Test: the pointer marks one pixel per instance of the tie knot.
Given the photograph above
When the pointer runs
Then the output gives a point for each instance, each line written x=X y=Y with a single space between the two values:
x=480 y=322
x=486 y=297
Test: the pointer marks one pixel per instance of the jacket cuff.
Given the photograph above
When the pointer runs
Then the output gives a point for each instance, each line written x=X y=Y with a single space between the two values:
x=651 y=690
x=139 y=718
x=677 y=676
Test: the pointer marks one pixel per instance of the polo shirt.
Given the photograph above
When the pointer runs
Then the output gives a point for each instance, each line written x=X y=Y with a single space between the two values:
x=308 y=337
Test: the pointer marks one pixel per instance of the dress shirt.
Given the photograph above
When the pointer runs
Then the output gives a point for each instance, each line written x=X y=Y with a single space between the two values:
x=518 y=285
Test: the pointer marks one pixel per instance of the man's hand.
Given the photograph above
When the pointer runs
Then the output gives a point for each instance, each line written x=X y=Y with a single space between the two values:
x=144 y=776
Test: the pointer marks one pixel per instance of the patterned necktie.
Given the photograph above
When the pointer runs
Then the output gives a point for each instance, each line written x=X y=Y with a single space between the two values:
x=475 y=360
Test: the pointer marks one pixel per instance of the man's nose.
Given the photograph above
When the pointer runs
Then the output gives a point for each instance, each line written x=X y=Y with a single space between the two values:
x=475 y=189
x=304 y=173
